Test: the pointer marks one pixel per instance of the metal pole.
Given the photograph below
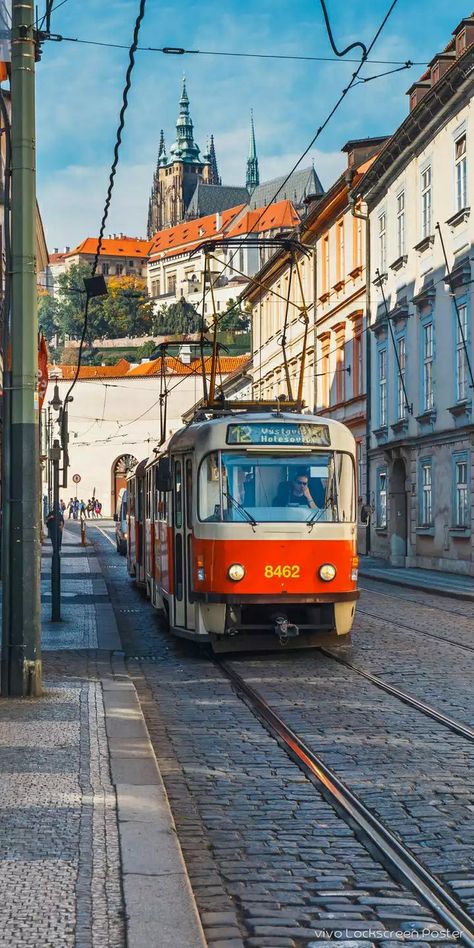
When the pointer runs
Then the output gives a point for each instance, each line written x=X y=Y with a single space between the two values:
x=315 y=324
x=24 y=653
x=55 y=538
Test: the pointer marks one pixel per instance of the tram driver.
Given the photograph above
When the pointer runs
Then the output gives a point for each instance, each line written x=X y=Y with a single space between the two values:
x=295 y=493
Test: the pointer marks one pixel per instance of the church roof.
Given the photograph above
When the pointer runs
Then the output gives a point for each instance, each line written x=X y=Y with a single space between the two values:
x=299 y=186
x=215 y=198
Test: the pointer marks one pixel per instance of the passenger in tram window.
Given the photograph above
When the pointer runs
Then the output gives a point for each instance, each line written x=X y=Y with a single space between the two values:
x=295 y=493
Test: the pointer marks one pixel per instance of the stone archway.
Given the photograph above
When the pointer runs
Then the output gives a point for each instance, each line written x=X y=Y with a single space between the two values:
x=120 y=470
x=398 y=513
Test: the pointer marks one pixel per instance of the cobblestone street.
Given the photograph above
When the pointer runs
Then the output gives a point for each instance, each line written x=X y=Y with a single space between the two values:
x=270 y=861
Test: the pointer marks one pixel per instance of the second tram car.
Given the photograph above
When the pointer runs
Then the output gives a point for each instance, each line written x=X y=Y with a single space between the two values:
x=243 y=529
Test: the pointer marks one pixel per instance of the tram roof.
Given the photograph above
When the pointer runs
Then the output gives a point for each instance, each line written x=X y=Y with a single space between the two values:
x=207 y=434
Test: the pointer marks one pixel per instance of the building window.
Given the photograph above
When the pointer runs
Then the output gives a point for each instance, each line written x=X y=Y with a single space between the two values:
x=460 y=161
x=461 y=357
x=326 y=263
x=401 y=400
x=106 y=268
x=381 y=499
x=401 y=224
x=357 y=365
x=461 y=491
x=325 y=371
x=382 y=387
x=155 y=288
x=172 y=283
x=119 y=269
x=426 y=203
x=340 y=251
x=382 y=243
x=340 y=368
x=428 y=396
x=426 y=493
x=356 y=242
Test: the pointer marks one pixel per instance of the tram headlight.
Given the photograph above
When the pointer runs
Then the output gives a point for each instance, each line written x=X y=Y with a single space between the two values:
x=327 y=572
x=236 y=572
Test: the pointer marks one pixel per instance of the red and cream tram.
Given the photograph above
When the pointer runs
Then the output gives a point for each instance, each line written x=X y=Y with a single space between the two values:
x=244 y=530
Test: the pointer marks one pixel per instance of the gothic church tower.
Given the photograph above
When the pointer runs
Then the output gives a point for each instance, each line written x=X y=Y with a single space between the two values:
x=177 y=175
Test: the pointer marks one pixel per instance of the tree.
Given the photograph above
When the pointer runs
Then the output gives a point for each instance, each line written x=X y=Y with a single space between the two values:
x=125 y=311
x=146 y=350
x=235 y=318
x=179 y=318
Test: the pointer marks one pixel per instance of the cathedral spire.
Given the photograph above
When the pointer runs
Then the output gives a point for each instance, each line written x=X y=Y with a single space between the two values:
x=184 y=148
x=162 y=158
x=214 y=174
x=252 y=177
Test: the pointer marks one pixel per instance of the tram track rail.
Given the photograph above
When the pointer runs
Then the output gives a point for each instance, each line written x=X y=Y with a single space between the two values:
x=462 y=730
x=411 y=628
x=372 y=832
x=411 y=589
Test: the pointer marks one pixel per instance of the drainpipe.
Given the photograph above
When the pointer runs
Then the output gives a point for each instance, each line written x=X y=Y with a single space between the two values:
x=365 y=217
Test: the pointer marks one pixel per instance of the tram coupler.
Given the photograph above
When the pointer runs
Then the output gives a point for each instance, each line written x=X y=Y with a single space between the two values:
x=285 y=629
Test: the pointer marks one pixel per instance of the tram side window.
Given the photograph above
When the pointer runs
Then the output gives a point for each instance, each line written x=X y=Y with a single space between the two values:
x=178 y=496
x=189 y=493
x=209 y=493
x=132 y=499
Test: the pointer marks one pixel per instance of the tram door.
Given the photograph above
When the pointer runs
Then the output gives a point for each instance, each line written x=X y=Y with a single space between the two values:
x=182 y=538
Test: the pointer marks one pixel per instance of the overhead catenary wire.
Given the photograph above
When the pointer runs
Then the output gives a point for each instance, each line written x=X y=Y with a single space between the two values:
x=319 y=131
x=118 y=141
x=182 y=51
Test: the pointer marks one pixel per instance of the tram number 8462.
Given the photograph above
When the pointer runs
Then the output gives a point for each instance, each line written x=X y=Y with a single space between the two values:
x=287 y=572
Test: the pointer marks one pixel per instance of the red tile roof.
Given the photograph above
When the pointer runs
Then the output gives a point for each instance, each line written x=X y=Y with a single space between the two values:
x=191 y=232
x=226 y=364
x=113 y=247
x=274 y=217
x=57 y=257
x=186 y=237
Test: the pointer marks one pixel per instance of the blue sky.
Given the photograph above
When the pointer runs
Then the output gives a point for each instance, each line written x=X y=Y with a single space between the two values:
x=79 y=94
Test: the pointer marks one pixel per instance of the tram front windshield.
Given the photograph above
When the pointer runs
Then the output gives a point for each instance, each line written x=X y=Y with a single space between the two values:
x=267 y=488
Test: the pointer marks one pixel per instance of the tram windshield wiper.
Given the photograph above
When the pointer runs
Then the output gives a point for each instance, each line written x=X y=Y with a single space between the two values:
x=319 y=513
x=238 y=506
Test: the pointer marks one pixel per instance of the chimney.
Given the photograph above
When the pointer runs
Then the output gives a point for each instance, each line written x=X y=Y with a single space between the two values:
x=67 y=249
x=418 y=91
x=464 y=34
x=440 y=64
x=56 y=250
x=218 y=221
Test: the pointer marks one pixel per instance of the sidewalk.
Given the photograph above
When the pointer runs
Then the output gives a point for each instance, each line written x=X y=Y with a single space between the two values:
x=89 y=854
x=429 y=580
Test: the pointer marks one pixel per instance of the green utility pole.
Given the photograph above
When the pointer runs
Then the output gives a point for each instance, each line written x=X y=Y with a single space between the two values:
x=21 y=655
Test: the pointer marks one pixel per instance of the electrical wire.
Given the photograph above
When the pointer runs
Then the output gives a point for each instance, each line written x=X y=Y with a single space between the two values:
x=319 y=131
x=181 y=51
x=118 y=141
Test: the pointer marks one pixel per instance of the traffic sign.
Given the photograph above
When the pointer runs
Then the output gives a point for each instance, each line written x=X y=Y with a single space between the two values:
x=76 y=478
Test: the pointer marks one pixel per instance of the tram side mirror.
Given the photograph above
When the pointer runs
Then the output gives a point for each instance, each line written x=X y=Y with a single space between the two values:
x=365 y=513
x=163 y=477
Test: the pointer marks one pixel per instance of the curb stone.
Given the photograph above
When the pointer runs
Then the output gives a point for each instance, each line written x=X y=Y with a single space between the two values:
x=160 y=908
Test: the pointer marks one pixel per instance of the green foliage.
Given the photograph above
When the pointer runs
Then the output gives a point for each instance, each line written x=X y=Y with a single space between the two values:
x=179 y=318
x=145 y=351
x=235 y=318
x=125 y=311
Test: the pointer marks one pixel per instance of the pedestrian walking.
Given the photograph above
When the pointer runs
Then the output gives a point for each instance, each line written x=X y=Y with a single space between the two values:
x=89 y=509
x=70 y=508
x=51 y=524
x=75 y=512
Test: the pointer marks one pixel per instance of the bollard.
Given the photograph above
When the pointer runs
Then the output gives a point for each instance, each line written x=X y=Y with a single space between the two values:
x=83 y=532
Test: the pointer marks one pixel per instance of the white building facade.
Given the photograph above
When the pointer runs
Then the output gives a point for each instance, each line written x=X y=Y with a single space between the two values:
x=420 y=194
